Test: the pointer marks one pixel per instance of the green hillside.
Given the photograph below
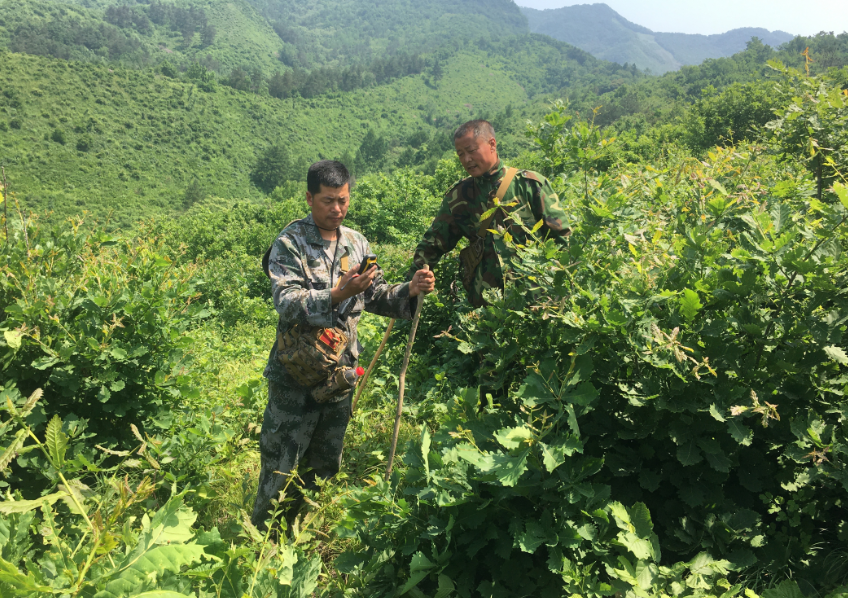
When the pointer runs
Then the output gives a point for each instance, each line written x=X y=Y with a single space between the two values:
x=222 y=35
x=599 y=30
x=79 y=136
x=327 y=31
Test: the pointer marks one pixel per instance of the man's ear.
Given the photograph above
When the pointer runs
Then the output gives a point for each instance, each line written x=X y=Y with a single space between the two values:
x=309 y=199
x=493 y=143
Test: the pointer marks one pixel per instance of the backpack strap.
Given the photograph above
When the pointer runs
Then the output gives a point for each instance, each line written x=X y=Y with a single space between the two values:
x=505 y=183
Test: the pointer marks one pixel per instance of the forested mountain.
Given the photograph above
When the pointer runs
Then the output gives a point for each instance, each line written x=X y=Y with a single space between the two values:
x=318 y=32
x=104 y=138
x=220 y=35
x=263 y=35
x=607 y=35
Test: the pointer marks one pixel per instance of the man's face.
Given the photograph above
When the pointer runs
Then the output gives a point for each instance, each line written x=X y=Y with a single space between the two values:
x=477 y=155
x=329 y=205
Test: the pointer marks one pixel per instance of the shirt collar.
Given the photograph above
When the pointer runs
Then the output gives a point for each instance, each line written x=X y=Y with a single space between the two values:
x=493 y=175
x=313 y=235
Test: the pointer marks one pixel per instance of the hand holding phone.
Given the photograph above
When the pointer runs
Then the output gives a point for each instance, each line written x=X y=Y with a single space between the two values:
x=369 y=260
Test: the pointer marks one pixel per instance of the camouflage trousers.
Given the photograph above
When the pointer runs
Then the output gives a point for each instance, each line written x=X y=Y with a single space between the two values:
x=297 y=433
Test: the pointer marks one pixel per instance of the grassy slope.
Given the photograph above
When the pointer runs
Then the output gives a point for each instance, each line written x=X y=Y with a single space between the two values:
x=152 y=135
x=244 y=38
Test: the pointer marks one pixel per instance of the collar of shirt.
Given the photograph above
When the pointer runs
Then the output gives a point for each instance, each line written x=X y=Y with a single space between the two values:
x=313 y=237
x=493 y=175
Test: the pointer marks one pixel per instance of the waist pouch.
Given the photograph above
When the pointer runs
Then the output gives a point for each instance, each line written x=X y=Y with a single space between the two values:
x=311 y=355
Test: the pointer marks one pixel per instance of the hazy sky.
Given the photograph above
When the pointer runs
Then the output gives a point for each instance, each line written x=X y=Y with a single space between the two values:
x=799 y=17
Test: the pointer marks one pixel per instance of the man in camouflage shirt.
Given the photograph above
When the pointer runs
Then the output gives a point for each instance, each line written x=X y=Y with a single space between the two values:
x=309 y=287
x=461 y=210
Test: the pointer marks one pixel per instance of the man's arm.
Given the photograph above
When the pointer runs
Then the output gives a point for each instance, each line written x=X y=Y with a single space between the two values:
x=545 y=205
x=293 y=300
x=440 y=238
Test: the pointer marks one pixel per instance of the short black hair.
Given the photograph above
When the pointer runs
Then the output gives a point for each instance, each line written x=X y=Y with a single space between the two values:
x=330 y=173
x=478 y=127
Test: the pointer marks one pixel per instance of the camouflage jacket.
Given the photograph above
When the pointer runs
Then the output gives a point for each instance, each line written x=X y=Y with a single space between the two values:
x=302 y=277
x=459 y=216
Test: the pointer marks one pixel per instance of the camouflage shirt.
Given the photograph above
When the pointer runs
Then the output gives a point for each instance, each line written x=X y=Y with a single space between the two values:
x=459 y=216
x=302 y=276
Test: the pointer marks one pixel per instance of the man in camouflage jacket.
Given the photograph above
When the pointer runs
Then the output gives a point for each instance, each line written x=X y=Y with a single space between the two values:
x=463 y=205
x=309 y=287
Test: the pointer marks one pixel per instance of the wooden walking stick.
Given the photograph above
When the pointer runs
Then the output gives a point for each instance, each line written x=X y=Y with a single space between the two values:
x=364 y=380
x=402 y=382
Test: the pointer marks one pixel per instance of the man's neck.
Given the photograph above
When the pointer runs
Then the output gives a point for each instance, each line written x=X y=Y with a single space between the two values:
x=494 y=170
x=328 y=235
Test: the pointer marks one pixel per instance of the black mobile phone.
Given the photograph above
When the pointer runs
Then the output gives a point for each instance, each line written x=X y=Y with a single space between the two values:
x=370 y=260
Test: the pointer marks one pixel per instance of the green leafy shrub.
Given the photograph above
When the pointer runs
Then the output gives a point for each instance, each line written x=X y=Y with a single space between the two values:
x=115 y=539
x=100 y=323
x=666 y=411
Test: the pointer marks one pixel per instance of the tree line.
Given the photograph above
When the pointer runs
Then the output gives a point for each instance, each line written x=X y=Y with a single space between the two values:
x=308 y=84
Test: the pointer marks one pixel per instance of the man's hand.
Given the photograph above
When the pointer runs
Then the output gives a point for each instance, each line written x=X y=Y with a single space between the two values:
x=423 y=281
x=352 y=283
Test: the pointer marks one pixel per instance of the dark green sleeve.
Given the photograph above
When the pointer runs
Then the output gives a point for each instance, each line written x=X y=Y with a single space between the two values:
x=546 y=206
x=440 y=238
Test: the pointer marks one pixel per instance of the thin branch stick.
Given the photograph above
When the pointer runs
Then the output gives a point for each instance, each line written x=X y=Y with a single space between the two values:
x=5 y=203
x=364 y=380
x=402 y=384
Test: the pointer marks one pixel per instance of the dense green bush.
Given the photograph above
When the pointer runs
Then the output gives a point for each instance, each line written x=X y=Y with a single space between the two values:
x=99 y=323
x=667 y=409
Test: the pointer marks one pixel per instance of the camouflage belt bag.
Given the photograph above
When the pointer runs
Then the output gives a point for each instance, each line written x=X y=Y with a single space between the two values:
x=311 y=355
x=471 y=256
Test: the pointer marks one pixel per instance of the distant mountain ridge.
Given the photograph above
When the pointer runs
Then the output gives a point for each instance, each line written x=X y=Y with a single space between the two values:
x=601 y=31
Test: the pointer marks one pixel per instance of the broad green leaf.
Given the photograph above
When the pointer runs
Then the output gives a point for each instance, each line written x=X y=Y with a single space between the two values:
x=513 y=438
x=538 y=225
x=56 y=441
x=7 y=507
x=622 y=517
x=719 y=461
x=446 y=587
x=714 y=411
x=837 y=354
x=418 y=570
x=533 y=536
x=646 y=575
x=841 y=192
x=133 y=572
x=506 y=468
x=554 y=455
x=347 y=562
x=690 y=304
x=640 y=517
x=717 y=186
x=160 y=594
x=583 y=395
x=13 y=338
x=20 y=584
x=641 y=548
x=740 y=432
x=691 y=495
x=689 y=453
x=285 y=570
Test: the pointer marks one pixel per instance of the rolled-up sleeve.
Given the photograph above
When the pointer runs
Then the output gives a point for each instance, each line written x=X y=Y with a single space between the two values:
x=292 y=299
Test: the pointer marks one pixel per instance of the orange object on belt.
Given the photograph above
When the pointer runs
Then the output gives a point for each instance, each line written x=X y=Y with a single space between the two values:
x=330 y=338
